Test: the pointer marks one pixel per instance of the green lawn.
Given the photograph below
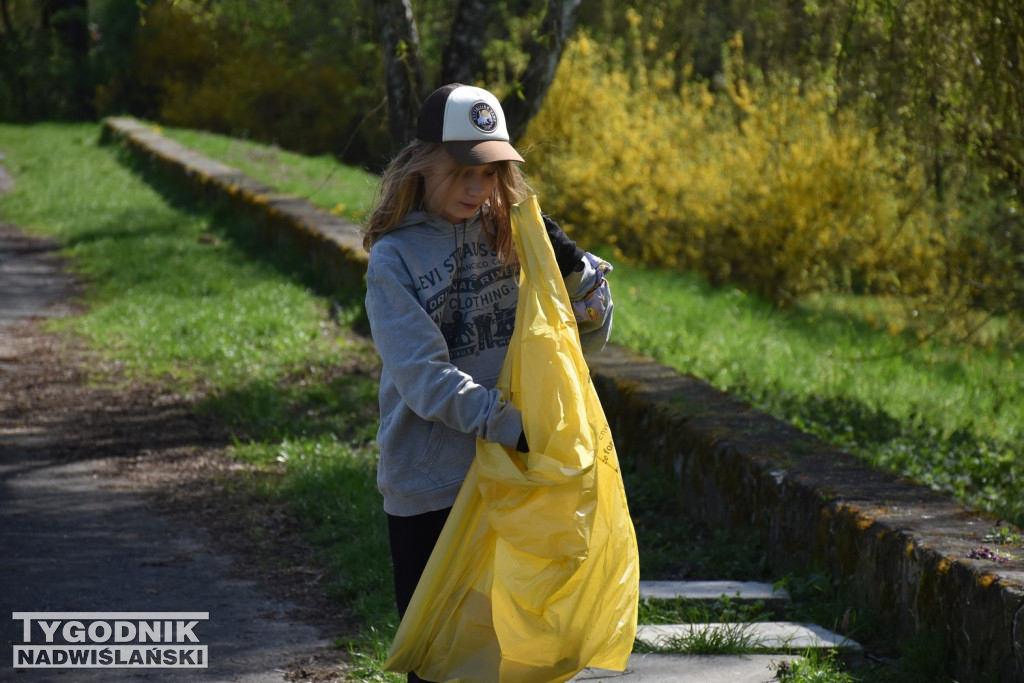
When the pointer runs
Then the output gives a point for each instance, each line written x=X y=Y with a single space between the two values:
x=945 y=414
x=322 y=180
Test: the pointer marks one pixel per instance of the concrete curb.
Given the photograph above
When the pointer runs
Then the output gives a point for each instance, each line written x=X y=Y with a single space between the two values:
x=899 y=546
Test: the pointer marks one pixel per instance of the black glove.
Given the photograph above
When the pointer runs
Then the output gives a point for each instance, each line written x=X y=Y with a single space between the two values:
x=567 y=254
x=521 y=446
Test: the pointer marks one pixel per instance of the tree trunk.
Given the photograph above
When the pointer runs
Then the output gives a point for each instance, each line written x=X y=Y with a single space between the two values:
x=463 y=57
x=404 y=73
x=5 y=10
x=69 y=20
x=545 y=51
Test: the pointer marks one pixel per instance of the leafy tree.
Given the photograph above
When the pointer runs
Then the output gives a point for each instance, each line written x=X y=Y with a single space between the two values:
x=44 y=69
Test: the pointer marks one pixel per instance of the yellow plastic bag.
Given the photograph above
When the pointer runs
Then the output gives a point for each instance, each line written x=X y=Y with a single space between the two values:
x=536 y=573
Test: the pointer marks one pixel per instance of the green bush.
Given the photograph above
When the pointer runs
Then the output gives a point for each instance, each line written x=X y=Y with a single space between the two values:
x=39 y=77
x=199 y=69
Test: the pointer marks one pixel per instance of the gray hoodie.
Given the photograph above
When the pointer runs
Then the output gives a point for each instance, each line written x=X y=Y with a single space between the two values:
x=442 y=308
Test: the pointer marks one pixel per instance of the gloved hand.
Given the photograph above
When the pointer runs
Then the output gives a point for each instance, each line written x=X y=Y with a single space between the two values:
x=593 y=303
x=567 y=254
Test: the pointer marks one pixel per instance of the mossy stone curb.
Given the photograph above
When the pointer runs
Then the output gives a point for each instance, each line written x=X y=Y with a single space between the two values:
x=900 y=547
x=332 y=245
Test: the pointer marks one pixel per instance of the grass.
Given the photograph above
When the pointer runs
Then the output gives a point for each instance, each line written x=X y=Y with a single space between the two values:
x=814 y=667
x=686 y=611
x=673 y=547
x=322 y=180
x=946 y=415
x=182 y=295
x=728 y=638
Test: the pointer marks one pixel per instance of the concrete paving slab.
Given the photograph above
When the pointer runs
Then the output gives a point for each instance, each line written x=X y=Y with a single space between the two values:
x=768 y=634
x=655 y=668
x=712 y=590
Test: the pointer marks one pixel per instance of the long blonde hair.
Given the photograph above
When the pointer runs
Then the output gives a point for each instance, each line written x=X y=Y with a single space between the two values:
x=400 y=192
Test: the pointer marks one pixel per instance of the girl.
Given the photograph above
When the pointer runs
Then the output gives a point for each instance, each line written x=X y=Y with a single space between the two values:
x=442 y=287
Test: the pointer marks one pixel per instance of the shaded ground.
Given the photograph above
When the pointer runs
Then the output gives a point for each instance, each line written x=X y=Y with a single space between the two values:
x=119 y=498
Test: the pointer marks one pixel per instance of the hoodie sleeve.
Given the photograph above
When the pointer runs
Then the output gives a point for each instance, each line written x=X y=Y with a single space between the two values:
x=414 y=353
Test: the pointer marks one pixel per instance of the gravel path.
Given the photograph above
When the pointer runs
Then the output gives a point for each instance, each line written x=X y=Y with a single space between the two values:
x=108 y=504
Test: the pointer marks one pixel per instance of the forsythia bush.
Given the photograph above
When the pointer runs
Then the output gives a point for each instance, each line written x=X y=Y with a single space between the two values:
x=762 y=185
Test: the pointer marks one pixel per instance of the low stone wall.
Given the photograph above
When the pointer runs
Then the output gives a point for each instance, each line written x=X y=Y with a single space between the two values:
x=332 y=245
x=900 y=547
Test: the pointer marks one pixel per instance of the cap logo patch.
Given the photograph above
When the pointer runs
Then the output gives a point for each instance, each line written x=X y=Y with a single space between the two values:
x=483 y=117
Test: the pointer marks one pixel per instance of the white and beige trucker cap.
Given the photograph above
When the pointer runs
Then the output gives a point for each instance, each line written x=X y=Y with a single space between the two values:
x=470 y=124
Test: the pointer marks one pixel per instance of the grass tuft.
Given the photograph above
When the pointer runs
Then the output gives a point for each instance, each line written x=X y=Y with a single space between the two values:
x=723 y=639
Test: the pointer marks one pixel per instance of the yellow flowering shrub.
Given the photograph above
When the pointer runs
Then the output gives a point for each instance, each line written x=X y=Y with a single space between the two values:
x=762 y=185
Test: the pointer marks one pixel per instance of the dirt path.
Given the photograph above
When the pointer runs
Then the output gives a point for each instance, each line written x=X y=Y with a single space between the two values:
x=109 y=503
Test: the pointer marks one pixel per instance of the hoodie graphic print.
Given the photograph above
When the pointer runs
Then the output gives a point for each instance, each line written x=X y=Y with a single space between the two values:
x=473 y=313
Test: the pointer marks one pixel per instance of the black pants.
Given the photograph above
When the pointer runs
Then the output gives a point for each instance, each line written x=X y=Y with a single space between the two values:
x=412 y=540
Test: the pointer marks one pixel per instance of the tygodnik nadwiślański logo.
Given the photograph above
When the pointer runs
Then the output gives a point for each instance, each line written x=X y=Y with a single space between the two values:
x=116 y=640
